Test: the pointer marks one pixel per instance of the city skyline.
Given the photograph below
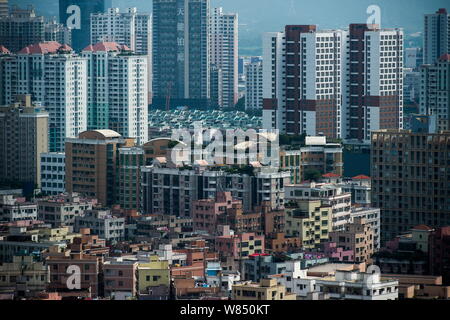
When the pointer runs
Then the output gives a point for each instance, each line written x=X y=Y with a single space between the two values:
x=161 y=156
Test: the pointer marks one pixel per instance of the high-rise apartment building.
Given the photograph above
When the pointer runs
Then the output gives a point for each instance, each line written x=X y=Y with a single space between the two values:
x=436 y=35
x=23 y=137
x=341 y=83
x=4 y=9
x=435 y=91
x=56 y=78
x=216 y=81
x=117 y=90
x=57 y=32
x=254 y=86
x=131 y=160
x=91 y=164
x=22 y=27
x=181 y=52
x=224 y=53
x=129 y=28
x=413 y=57
x=410 y=174
x=76 y=15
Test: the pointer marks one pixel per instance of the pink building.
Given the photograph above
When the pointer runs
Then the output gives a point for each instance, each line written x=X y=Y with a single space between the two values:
x=120 y=278
x=205 y=212
x=335 y=253
x=242 y=245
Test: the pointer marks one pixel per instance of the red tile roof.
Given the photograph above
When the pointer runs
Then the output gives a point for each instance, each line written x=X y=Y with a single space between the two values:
x=445 y=57
x=106 y=46
x=330 y=175
x=45 y=47
x=4 y=49
x=422 y=227
x=361 y=177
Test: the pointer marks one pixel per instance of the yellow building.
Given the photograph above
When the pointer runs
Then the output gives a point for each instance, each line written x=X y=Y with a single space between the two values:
x=24 y=276
x=153 y=274
x=54 y=234
x=267 y=289
x=310 y=221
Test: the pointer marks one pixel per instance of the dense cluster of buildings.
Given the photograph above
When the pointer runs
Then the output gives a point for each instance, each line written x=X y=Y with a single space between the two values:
x=98 y=200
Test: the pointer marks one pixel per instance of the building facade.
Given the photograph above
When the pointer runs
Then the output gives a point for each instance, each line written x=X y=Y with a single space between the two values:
x=57 y=79
x=117 y=90
x=53 y=173
x=181 y=52
x=130 y=28
x=75 y=15
x=308 y=88
x=61 y=210
x=91 y=164
x=102 y=224
x=224 y=52
x=409 y=174
x=435 y=91
x=254 y=86
x=23 y=137
x=436 y=35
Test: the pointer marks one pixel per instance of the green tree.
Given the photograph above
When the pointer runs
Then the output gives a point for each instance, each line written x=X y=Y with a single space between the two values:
x=312 y=175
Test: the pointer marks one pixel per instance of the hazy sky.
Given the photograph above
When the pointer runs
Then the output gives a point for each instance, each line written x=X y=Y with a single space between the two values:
x=257 y=16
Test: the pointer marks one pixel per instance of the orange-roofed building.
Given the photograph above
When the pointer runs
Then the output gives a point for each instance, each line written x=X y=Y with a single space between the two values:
x=45 y=48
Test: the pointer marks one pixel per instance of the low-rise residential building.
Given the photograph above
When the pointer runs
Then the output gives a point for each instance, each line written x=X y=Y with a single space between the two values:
x=61 y=210
x=310 y=221
x=23 y=276
x=87 y=266
x=102 y=223
x=205 y=212
x=15 y=209
x=344 y=283
x=266 y=289
x=372 y=217
x=360 y=188
x=439 y=253
x=316 y=155
x=240 y=246
x=154 y=273
x=120 y=278
x=279 y=242
x=357 y=285
x=357 y=237
x=329 y=194
x=216 y=277
x=172 y=191
x=13 y=245
x=420 y=287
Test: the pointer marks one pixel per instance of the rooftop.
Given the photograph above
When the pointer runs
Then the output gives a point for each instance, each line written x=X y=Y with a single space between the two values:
x=106 y=46
x=361 y=177
x=45 y=47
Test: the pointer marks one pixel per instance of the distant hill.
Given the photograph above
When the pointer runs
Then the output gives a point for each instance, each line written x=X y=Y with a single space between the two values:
x=257 y=16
